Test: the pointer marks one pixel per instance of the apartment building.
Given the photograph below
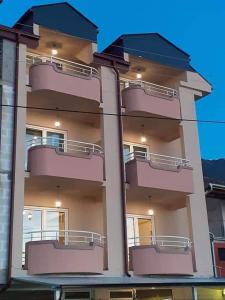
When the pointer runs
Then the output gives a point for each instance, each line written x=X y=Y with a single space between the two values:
x=105 y=199
x=215 y=195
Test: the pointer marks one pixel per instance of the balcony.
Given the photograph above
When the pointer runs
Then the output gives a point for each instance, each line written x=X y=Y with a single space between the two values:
x=65 y=159
x=161 y=255
x=53 y=74
x=158 y=172
x=143 y=97
x=64 y=251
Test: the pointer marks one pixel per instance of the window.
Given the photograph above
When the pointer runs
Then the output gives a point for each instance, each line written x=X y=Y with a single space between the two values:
x=140 y=230
x=221 y=254
x=131 y=150
x=44 y=223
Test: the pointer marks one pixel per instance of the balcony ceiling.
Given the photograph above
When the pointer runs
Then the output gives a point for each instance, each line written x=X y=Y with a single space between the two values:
x=68 y=186
x=68 y=47
x=162 y=198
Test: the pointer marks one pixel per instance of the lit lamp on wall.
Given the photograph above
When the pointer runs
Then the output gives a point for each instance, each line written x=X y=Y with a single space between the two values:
x=57 y=122
x=54 y=50
x=150 y=211
x=58 y=203
x=143 y=137
x=138 y=75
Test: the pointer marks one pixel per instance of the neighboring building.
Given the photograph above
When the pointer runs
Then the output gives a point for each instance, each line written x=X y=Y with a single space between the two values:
x=215 y=201
x=107 y=194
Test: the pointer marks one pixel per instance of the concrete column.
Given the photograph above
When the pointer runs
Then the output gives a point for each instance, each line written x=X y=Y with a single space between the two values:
x=7 y=97
x=196 y=202
x=113 y=211
x=19 y=166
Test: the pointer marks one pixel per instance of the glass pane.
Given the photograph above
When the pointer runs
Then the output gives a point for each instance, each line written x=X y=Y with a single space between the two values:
x=55 y=226
x=126 y=151
x=140 y=151
x=145 y=231
x=31 y=223
x=33 y=137
x=55 y=139
x=130 y=231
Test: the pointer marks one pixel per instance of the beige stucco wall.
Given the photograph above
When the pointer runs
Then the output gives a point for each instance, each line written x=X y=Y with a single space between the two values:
x=167 y=222
x=156 y=145
x=84 y=213
x=85 y=131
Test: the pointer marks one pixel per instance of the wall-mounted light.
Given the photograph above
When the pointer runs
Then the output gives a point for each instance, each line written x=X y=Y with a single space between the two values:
x=58 y=203
x=151 y=212
x=29 y=216
x=57 y=124
x=139 y=75
x=223 y=292
x=143 y=139
x=54 y=51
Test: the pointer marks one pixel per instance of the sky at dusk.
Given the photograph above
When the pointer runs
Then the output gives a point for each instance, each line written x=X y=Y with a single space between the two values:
x=196 y=26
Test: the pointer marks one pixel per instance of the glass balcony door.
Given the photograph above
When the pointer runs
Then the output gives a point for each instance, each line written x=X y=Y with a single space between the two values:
x=140 y=230
x=42 y=223
x=130 y=151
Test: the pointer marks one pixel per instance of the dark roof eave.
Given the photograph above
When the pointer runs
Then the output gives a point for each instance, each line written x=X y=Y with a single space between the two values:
x=17 y=35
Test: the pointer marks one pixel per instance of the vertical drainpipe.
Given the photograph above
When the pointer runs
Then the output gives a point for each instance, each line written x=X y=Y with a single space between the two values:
x=9 y=279
x=122 y=170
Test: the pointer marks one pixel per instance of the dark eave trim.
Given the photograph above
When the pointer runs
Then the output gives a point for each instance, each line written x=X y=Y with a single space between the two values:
x=110 y=61
x=19 y=36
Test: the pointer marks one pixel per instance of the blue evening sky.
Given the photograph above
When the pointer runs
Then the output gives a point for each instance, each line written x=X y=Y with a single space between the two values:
x=196 y=26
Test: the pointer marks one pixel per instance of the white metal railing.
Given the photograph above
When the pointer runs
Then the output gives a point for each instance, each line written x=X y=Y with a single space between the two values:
x=158 y=159
x=167 y=241
x=64 y=65
x=150 y=88
x=65 y=237
x=63 y=145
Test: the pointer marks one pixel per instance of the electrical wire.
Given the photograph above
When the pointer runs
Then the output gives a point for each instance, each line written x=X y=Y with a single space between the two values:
x=113 y=114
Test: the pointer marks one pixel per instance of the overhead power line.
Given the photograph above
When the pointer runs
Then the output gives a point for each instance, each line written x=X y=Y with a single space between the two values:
x=114 y=114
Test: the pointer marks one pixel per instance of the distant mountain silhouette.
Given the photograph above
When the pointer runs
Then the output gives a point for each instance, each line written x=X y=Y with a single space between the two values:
x=213 y=171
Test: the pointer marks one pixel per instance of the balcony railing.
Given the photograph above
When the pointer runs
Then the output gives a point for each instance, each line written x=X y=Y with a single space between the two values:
x=64 y=145
x=66 y=237
x=150 y=88
x=158 y=159
x=66 y=66
x=161 y=241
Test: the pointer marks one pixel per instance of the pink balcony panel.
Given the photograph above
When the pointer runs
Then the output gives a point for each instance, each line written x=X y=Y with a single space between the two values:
x=46 y=76
x=48 y=161
x=142 y=173
x=136 y=99
x=149 y=260
x=49 y=257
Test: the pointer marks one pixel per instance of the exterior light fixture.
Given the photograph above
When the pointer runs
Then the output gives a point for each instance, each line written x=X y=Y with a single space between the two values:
x=57 y=121
x=151 y=212
x=29 y=216
x=139 y=75
x=54 y=51
x=57 y=124
x=143 y=139
x=58 y=203
x=223 y=292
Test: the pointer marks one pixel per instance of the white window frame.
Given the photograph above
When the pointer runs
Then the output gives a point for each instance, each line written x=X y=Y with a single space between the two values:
x=43 y=210
x=44 y=131
x=132 y=145
x=136 y=217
